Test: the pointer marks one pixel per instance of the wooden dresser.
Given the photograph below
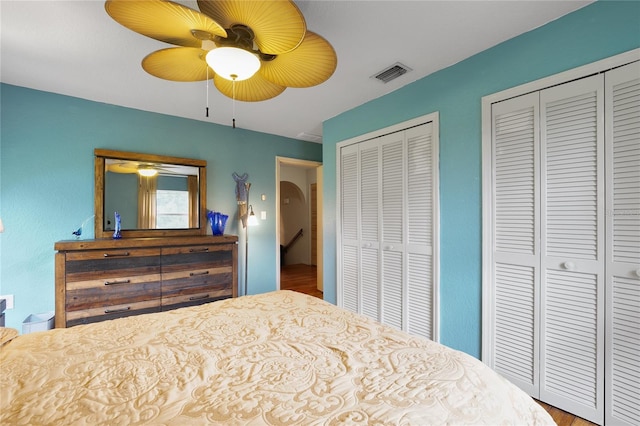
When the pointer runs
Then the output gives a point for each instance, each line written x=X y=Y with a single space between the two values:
x=97 y=280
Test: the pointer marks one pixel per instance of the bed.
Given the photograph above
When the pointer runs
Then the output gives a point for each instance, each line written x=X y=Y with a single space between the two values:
x=280 y=358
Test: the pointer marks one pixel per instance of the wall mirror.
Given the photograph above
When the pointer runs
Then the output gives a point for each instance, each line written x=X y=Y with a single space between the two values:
x=155 y=195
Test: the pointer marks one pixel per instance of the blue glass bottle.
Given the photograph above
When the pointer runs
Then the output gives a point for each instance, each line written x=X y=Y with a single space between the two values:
x=117 y=234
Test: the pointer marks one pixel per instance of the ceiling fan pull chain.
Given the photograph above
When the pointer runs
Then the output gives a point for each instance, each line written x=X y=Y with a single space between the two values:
x=207 y=83
x=233 y=89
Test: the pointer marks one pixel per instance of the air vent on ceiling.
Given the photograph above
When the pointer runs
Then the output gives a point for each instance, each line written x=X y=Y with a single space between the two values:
x=310 y=137
x=392 y=72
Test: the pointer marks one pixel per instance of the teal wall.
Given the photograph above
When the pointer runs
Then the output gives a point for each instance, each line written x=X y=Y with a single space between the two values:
x=46 y=180
x=600 y=30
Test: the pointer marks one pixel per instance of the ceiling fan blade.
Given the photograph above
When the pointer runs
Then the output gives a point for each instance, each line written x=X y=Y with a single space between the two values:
x=121 y=168
x=164 y=20
x=178 y=64
x=278 y=25
x=254 y=89
x=312 y=63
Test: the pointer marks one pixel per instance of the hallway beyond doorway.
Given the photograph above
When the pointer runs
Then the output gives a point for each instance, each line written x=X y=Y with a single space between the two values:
x=300 y=278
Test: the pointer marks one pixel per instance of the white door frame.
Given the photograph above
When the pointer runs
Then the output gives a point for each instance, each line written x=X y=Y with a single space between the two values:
x=295 y=162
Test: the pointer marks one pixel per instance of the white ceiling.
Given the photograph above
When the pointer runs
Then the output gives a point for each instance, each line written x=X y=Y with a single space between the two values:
x=74 y=48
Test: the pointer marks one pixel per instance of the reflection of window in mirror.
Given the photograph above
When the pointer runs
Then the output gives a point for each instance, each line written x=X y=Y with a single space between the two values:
x=172 y=203
x=166 y=199
x=165 y=202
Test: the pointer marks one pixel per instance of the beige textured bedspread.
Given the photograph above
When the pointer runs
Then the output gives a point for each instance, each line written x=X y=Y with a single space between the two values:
x=278 y=358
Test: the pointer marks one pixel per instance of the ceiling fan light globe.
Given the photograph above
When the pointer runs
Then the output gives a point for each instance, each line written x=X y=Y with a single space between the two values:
x=147 y=172
x=232 y=63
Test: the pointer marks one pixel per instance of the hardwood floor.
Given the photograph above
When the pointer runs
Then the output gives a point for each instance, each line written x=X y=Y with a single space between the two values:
x=562 y=418
x=302 y=278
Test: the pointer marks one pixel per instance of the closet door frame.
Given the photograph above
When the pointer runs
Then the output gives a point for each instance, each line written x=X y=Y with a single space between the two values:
x=432 y=118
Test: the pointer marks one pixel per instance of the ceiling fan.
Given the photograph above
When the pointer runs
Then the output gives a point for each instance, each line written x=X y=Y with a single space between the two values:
x=141 y=168
x=271 y=34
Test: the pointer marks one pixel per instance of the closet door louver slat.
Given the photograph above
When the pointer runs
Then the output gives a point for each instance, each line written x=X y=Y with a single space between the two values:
x=515 y=336
x=420 y=187
x=350 y=195
x=350 y=266
x=392 y=189
x=571 y=176
x=514 y=176
x=420 y=295
x=623 y=252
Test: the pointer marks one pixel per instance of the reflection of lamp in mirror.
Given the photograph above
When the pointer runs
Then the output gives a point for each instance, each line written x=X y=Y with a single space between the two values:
x=147 y=172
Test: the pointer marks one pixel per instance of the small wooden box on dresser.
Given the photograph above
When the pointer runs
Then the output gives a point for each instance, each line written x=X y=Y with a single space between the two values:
x=103 y=279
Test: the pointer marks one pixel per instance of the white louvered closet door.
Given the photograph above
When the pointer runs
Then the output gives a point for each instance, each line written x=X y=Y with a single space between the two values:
x=572 y=247
x=420 y=166
x=369 y=228
x=349 y=207
x=388 y=202
x=393 y=227
x=622 y=88
x=515 y=245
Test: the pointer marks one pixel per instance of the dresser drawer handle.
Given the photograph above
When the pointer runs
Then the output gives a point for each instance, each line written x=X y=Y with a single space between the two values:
x=117 y=282
x=113 y=311
x=199 y=250
x=198 y=297
x=195 y=274
x=126 y=253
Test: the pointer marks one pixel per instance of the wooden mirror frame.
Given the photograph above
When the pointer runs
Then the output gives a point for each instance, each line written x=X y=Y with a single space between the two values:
x=102 y=154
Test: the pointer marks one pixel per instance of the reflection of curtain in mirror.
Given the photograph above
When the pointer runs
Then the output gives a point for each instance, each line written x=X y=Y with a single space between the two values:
x=192 y=185
x=147 y=187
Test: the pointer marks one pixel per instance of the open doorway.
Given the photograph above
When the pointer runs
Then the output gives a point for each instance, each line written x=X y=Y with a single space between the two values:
x=299 y=225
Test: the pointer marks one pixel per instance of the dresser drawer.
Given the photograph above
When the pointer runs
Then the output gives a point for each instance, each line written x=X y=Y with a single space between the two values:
x=112 y=290
x=111 y=264
x=108 y=312
x=196 y=257
x=196 y=298
x=197 y=285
